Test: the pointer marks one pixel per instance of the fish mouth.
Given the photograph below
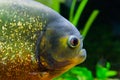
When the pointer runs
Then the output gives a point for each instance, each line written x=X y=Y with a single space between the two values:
x=81 y=57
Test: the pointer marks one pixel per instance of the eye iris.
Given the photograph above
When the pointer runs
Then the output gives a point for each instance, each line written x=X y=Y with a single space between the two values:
x=74 y=41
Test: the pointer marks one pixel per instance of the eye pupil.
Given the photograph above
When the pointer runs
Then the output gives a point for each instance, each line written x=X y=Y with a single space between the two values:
x=73 y=41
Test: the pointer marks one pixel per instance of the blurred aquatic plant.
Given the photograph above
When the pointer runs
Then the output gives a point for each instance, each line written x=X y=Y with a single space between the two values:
x=75 y=18
x=72 y=18
x=104 y=72
x=89 y=22
x=82 y=73
x=76 y=73
x=54 y=4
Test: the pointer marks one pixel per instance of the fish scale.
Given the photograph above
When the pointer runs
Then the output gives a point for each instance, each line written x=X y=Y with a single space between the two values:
x=12 y=40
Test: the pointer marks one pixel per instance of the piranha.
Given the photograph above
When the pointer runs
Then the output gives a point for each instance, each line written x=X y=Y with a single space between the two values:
x=36 y=43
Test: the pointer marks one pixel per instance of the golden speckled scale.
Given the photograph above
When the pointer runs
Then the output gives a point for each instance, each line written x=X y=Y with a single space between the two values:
x=36 y=43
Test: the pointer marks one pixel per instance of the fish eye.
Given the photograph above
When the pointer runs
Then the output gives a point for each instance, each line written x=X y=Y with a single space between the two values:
x=73 y=41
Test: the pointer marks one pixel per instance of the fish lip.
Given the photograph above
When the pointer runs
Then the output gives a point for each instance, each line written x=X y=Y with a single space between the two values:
x=82 y=52
x=82 y=55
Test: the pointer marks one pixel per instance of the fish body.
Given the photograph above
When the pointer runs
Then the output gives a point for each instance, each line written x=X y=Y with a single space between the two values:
x=36 y=43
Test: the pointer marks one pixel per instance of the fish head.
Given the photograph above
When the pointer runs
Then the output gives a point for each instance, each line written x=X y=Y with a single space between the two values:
x=61 y=46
